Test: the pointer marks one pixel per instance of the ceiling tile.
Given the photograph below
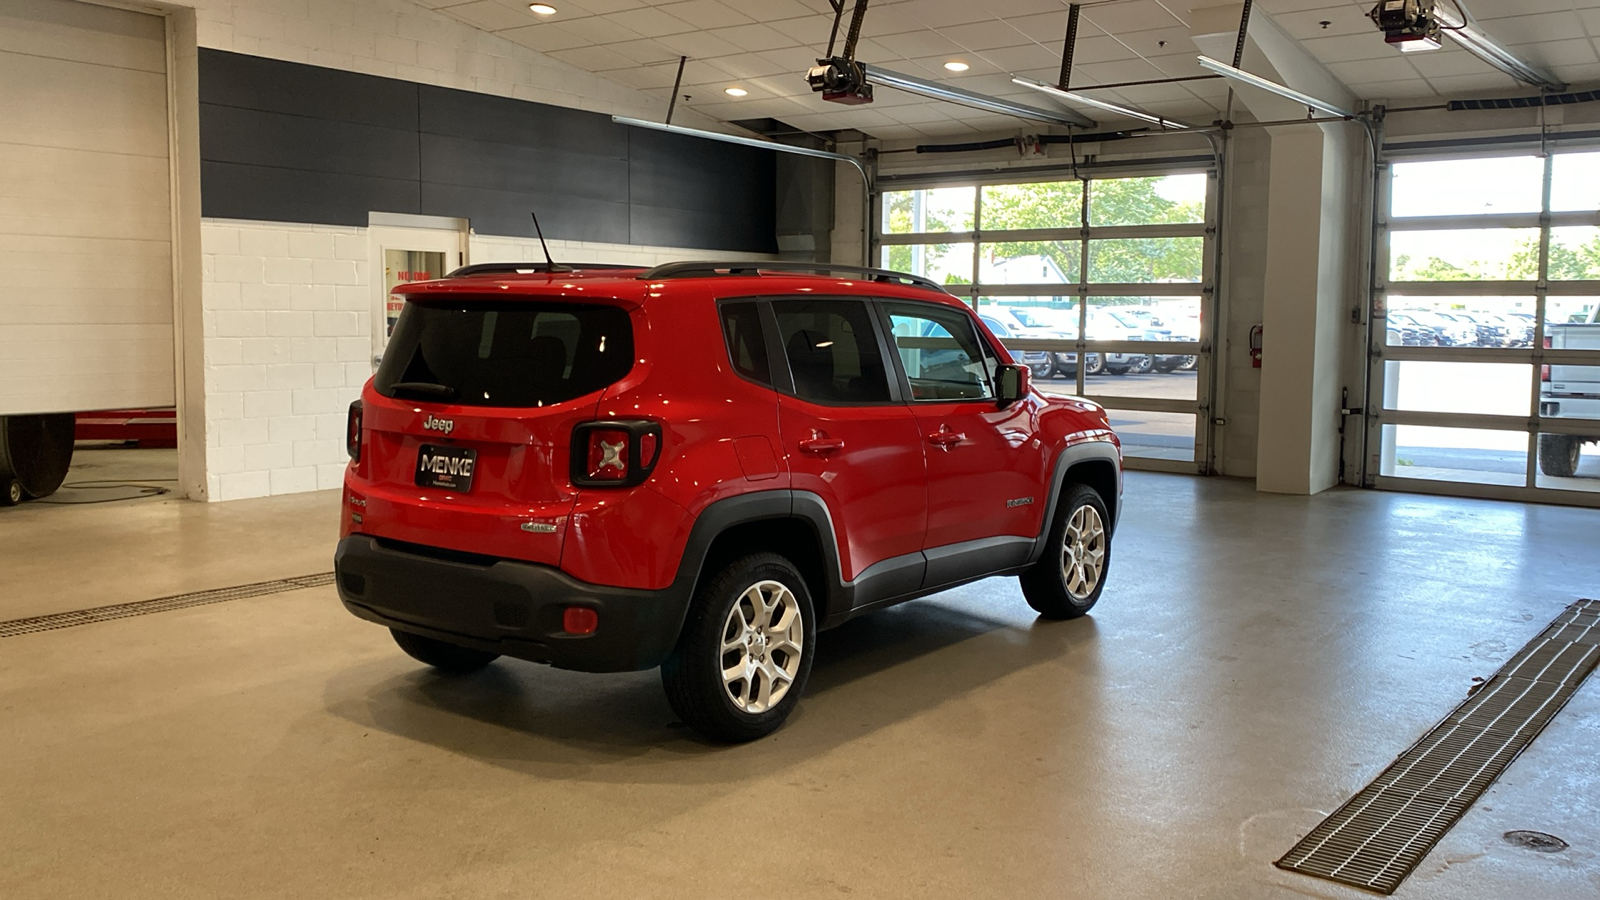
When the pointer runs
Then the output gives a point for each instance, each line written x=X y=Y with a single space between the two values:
x=1368 y=70
x=1015 y=59
x=985 y=35
x=699 y=45
x=1448 y=60
x=491 y=16
x=649 y=22
x=1348 y=47
x=1127 y=18
x=1341 y=19
x=602 y=30
x=936 y=13
x=914 y=44
x=746 y=65
x=1523 y=29
x=756 y=37
x=1453 y=85
x=645 y=51
x=646 y=77
x=595 y=59
x=1574 y=52
x=706 y=13
x=544 y=37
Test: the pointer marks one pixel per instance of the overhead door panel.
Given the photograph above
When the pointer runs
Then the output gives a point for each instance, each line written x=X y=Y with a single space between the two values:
x=85 y=209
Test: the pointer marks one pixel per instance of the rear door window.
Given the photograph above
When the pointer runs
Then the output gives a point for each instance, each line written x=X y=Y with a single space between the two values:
x=832 y=351
x=493 y=353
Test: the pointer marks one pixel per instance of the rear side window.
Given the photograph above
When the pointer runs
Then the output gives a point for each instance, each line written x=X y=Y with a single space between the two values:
x=504 y=354
x=832 y=351
x=747 y=346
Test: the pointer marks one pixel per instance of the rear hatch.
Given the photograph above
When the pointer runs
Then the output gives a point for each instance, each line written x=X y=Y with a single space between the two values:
x=469 y=421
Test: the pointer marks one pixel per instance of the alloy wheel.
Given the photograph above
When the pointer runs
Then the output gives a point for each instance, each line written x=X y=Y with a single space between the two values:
x=762 y=640
x=1083 y=552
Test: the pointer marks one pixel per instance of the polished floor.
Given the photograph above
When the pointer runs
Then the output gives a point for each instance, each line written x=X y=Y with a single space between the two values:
x=1255 y=660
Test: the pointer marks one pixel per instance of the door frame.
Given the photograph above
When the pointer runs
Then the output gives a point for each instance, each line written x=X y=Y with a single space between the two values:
x=399 y=231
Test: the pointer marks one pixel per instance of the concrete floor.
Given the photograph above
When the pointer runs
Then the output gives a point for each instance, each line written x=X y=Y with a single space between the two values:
x=1255 y=660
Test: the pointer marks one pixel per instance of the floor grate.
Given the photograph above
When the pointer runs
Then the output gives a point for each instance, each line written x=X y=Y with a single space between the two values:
x=53 y=621
x=1383 y=832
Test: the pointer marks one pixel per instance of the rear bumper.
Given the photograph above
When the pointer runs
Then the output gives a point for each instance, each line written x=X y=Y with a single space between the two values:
x=506 y=607
x=1560 y=407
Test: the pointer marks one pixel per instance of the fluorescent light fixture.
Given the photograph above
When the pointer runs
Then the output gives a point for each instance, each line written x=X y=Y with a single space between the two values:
x=735 y=91
x=1243 y=77
x=1419 y=44
x=956 y=66
x=543 y=9
x=945 y=92
x=1489 y=50
x=1097 y=103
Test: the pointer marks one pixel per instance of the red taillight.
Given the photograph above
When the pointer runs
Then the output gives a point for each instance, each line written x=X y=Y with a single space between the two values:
x=352 y=432
x=580 y=620
x=615 y=452
x=609 y=449
x=1544 y=371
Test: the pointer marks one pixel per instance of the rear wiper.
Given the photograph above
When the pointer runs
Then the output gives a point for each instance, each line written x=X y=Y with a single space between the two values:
x=424 y=387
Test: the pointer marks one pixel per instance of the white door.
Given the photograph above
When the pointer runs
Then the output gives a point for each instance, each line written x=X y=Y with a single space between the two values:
x=85 y=209
x=407 y=253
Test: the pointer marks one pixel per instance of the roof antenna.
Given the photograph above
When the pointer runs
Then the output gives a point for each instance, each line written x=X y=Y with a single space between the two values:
x=551 y=263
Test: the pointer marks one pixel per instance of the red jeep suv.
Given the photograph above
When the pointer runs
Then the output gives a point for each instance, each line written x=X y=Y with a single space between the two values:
x=700 y=467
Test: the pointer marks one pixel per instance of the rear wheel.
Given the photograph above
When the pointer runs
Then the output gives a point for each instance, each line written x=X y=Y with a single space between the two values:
x=745 y=652
x=11 y=494
x=1094 y=364
x=1143 y=365
x=445 y=657
x=1069 y=577
x=1558 y=454
x=1168 y=365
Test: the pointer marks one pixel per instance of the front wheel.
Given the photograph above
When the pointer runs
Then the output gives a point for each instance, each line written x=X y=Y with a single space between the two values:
x=745 y=651
x=1094 y=364
x=1558 y=454
x=1069 y=577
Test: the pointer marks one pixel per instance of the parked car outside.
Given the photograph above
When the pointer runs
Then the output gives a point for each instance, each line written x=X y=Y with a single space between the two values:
x=1106 y=325
x=700 y=467
x=1053 y=324
x=1006 y=327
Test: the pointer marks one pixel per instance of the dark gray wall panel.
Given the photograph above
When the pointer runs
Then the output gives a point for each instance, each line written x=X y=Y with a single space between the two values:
x=474 y=163
x=291 y=142
x=251 y=82
x=496 y=211
x=233 y=191
x=284 y=141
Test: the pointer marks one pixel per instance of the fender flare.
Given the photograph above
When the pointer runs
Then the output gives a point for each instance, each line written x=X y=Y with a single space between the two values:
x=762 y=506
x=1096 y=448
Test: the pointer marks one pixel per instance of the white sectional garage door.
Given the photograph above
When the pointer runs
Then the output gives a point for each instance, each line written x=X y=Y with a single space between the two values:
x=85 y=210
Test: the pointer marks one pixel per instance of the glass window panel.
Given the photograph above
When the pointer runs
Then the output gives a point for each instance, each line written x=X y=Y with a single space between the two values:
x=930 y=210
x=1146 y=260
x=1460 y=321
x=940 y=352
x=1045 y=204
x=1465 y=187
x=1472 y=455
x=1568 y=462
x=1156 y=200
x=1030 y=262
x=1033 y=319
x=1487 y=254
x=1568 y=391
x=1558 y=310
x=832 y=350
x=1575 y=253
x=944 y=263
x=1494 y=389
x=1154 y=435
x=1575 y=182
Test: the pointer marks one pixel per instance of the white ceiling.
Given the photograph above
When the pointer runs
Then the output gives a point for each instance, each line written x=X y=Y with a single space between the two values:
x=764 y=47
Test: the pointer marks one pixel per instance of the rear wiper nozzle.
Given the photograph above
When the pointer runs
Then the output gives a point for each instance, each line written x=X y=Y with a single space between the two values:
x=424 y=387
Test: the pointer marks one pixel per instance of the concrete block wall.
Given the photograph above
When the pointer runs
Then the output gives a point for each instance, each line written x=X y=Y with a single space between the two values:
x=288 y=342
x=403 y=39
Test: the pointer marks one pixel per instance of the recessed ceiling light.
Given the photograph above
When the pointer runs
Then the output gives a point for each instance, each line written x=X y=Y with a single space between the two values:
x=735 y=91
x=955 y=66
x=543 y=9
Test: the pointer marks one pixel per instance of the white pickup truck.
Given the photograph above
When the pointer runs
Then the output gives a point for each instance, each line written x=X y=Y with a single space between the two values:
x=1569 y=392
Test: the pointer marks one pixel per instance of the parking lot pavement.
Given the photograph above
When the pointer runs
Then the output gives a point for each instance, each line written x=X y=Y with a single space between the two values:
x=1172 y=386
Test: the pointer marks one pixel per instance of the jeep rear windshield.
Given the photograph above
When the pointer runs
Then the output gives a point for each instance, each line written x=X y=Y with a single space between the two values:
x=497 y=353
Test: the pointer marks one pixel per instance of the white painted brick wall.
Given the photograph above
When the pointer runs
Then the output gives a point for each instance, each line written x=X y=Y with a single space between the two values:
x=402 y=39
x=288 y=342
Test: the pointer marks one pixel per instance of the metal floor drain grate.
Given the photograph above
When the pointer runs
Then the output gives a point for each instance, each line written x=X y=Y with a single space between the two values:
x=161 y=604
x=1383 y=832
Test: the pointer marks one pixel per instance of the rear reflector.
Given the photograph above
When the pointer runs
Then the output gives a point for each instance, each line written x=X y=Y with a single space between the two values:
x=580 y=620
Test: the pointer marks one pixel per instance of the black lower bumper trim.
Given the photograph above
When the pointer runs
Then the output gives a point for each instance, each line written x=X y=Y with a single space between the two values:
x=508 y=607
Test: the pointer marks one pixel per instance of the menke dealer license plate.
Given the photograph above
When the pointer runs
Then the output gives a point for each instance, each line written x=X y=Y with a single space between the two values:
x=447 y=468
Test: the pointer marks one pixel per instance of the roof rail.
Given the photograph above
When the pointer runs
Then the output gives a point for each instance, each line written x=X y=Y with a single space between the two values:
x=511 y=268
x=715 y=269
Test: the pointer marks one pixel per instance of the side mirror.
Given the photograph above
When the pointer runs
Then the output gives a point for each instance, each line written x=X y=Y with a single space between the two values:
x=1015 y=383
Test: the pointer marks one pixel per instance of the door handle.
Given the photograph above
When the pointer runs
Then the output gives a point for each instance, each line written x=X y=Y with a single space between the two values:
x=821 y=446
x=945 y=438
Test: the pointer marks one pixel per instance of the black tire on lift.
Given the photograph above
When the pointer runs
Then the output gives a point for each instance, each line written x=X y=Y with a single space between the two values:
x=36 y=452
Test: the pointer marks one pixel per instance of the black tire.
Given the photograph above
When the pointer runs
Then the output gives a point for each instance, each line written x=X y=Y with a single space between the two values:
x=1189 y=364
x=1144 y=365
x=11 y=491
x=443 y=656
x=1047 y=586
x=1094 y=364
x=1558 y=454
x=1167 y=368
x=37 y=451
x=1113 y=371
x=693 y=674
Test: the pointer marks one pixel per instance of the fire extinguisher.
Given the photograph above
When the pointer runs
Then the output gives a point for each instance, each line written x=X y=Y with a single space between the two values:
x=1255 y=346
